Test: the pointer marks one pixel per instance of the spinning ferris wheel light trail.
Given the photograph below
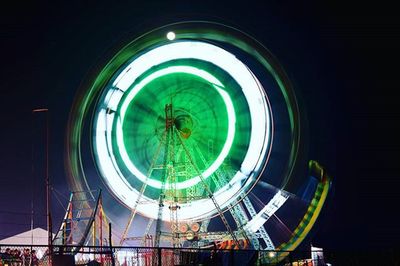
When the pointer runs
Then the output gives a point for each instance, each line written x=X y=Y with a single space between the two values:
x=182 y=124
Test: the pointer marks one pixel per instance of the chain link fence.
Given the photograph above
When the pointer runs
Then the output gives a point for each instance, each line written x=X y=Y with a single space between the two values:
x=17 y=255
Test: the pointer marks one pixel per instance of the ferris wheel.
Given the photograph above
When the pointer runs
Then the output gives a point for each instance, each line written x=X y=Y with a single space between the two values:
x=194 y=131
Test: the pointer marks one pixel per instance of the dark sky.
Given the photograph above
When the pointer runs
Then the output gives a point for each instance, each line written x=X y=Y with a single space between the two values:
x=342 y=59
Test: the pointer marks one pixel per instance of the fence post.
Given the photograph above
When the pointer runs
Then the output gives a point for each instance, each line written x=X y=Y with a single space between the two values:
x=110 y=242
x=159 y=256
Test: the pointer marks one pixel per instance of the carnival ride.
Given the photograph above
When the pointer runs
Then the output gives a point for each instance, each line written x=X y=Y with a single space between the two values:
x=195 y=132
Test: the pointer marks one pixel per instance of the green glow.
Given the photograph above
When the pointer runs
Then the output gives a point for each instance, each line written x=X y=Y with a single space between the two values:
x=194 y=93
x=183 y=69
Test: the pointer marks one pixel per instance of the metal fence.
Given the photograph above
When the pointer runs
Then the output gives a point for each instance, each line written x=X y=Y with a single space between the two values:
x=13 y=255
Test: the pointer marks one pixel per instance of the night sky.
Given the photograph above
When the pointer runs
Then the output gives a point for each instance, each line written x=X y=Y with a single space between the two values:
x=342 y=60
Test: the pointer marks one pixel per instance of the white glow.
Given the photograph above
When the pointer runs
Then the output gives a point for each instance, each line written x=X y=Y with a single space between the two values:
x=115 y=179
x=113 y=99
x=271 y=254
x=259 y=136
x=273 y=205
x=171 y=36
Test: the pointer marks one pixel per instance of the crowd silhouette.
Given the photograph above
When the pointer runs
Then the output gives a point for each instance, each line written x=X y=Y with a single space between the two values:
x=18 y=257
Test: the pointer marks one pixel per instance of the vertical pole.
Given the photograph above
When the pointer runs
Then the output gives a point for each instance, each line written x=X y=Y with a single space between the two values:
x=159 y=255
x=101 y=230
x=94 y=232
x=110 y=242
x=71 y=225
x=49 y=227
x=32 y=184
x=137 y=256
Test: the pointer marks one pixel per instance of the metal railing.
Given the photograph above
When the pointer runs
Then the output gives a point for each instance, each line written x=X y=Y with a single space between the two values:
x=12 y=255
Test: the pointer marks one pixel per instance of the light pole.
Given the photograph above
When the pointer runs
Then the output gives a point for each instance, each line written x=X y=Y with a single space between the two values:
x=49 y=224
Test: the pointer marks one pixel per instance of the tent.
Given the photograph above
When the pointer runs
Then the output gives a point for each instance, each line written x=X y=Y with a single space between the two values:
x=37 y=236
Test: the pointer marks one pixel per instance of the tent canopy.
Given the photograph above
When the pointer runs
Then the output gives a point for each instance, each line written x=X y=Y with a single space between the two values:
x=37 y=236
